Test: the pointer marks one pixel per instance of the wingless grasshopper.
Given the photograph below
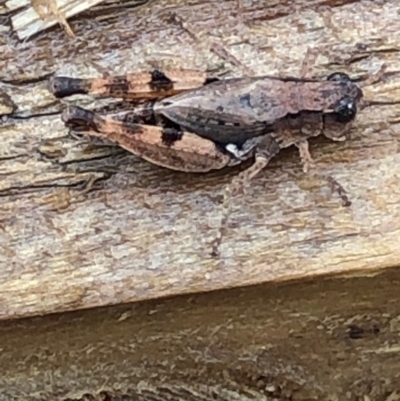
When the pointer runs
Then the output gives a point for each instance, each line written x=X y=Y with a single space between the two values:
x=198 y=124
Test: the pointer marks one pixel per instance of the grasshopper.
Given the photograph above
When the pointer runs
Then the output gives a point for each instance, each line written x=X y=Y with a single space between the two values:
x=196 y=123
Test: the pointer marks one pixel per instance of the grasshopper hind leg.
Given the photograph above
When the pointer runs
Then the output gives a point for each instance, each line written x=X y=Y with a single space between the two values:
x=133 y=86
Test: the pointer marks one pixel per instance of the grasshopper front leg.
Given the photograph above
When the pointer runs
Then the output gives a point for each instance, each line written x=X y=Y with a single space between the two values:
x=135 y=86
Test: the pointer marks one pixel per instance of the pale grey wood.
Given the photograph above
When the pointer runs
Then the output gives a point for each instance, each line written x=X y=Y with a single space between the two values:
x=37 y=15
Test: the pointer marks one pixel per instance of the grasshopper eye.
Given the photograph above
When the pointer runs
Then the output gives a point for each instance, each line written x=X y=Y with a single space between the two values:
x=339 y=77
x=346 y=110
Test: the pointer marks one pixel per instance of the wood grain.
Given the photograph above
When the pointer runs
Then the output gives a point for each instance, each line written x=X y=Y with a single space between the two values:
x=319 y=340
x=29 y=17
x=85 y=224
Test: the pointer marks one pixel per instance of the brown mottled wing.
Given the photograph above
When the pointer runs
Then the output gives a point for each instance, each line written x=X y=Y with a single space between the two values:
x=228 y=111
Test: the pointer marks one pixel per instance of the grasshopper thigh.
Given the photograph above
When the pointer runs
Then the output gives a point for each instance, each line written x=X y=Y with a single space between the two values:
x=163 y=146
x=132 y=86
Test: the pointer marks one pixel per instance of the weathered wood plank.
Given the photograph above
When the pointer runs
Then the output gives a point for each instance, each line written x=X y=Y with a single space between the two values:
x=312 y=340
x=143 y=232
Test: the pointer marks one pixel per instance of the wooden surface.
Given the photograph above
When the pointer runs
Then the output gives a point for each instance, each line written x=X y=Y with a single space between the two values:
x=137 y=231
x=322 y=340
